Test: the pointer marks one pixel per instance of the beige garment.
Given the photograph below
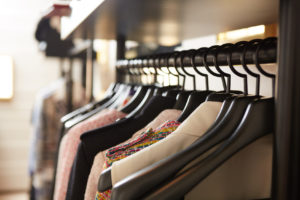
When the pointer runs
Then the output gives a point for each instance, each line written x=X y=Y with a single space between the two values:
x=91 y=189
x=190 y=130
x=246 y=175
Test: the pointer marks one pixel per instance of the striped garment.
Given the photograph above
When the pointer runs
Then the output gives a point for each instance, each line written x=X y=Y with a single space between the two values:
x=146 y=139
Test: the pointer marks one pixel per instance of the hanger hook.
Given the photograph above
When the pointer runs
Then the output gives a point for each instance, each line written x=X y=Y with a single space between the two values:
x=150 y=75
x=218 y=49
x=159 y=68
x=164 y=57
x=154 y=75
x=209 y=70
x=134 y=72
x=258 y=66
x=167 y=65
x=141 y=69
x=182 y=56
x=127 y=66
x=144 y=60
x=175 y=54
x=229 y=61
x=193 y=63
x=246 y=68
x=138 y=69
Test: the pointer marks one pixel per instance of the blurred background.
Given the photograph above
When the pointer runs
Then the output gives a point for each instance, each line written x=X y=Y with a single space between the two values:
x=31 y=72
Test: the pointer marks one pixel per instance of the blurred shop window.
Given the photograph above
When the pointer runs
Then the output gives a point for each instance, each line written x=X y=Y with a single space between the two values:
x=6 y=77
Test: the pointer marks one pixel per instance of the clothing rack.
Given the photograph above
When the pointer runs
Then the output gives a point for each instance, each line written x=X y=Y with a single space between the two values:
x=128 y=18
x=238 y=54
x=267 y=54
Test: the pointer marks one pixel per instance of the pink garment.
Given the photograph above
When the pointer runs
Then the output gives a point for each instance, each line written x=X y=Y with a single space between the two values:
x=69 y=145
x=91 y=188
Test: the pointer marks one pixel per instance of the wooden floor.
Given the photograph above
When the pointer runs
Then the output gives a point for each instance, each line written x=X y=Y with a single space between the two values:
x=16 y=196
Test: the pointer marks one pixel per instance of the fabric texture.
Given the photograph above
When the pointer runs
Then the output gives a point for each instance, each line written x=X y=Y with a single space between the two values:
x=91 y=189
x=69 y=145
x=191 y=129
x=246 y=175
x=146 y=139
x=92 y=142
x=50 y=105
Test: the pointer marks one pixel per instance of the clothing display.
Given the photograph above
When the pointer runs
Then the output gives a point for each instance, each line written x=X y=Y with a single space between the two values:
x=69 y=144
x=101 y=139
x=190 y=130
x=146 y=139
x=150 y=139
x=91 y=188
x=49 y=107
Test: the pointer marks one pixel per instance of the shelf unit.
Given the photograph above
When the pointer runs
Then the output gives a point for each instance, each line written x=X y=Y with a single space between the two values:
x=158 y=21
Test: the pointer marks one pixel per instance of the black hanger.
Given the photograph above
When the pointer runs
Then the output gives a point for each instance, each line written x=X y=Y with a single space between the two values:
x=152 y=91
x=147 y=96
x=105 y=178
x=171 y=91
x=90 y=106
x=137 y=98
x=181 y=99
x=174 y=92
x=137 y=181
x=218 y=96
x=129 y=87
x=271 y=40
x=196 y=97
x=258 y=120
x=220 y=130
x=85 y=116
x=122 y=87
x=249 y=44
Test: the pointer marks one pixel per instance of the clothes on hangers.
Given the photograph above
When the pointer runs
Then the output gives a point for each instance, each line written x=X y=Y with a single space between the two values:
x=49 y=107
x=149 y=137
x=101 y=139
x=190 y=130
x=246 y=175
x=69 y=144
x=84 y=109
x=91 y=188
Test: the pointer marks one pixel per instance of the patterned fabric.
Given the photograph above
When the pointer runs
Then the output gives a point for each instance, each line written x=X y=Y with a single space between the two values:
x=91 y=188
x=148 y=138
x=49 y=107
x=69 y=145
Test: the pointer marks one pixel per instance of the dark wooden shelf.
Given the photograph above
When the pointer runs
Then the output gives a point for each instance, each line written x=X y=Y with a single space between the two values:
x=164 y=21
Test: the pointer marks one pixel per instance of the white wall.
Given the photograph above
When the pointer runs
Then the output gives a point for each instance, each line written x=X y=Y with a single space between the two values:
x=18 y=19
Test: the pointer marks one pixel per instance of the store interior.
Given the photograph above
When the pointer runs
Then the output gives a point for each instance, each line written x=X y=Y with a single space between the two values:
x=64 y=63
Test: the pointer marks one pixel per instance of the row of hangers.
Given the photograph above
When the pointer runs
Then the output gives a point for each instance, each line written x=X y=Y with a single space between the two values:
x=243 y=118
